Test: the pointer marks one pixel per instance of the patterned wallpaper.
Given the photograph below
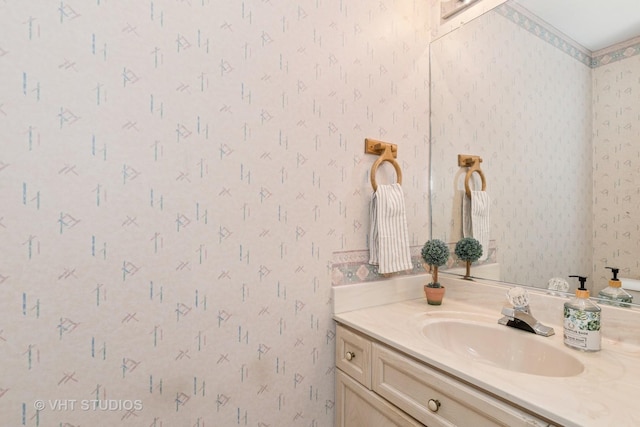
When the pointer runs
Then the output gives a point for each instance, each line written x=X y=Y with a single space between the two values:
x=614 y=83
x=175 y=177
x=616 y=160
x=489 y=78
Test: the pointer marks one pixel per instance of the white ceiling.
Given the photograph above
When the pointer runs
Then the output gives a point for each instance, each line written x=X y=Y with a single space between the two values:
x=595 y=24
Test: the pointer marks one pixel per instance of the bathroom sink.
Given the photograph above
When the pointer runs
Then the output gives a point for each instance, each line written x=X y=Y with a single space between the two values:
x=502 y=347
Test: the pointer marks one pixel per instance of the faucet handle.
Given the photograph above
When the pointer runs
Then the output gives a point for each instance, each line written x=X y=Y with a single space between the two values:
x=509 y=311
x=518 y=297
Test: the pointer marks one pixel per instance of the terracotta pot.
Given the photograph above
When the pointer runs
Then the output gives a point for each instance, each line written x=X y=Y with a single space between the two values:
x=434 y=295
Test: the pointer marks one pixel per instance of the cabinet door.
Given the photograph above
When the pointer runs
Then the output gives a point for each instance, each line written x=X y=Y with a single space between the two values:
x=353 y=355
x=358 y=407
x=438 y=400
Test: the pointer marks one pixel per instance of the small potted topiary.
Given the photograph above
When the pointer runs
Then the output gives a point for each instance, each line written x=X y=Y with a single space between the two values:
x=434 y=253
x=468 y=250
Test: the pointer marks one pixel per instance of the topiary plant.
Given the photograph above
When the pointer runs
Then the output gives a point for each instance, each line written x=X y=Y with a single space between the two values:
x=469 y=250
x=435 y=253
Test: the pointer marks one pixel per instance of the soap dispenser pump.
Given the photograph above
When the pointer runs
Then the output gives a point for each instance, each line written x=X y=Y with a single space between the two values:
x=614 y=294
x=582 y=320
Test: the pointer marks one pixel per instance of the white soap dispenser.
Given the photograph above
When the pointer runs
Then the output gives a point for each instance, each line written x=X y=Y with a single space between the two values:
x=582 y=320
x=614 y=294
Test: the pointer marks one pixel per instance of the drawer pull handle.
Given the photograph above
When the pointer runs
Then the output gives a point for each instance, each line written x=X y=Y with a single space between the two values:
x=434 y=405
x=350 y=355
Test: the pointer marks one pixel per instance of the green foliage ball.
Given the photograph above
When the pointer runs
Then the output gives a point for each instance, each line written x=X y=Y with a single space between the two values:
x=468 y=249
x=435 y=252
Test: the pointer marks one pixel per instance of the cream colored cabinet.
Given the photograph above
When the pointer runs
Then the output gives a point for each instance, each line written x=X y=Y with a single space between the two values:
x=397 y=390
x=353 y=355
x=360 y=407
x=437 y=399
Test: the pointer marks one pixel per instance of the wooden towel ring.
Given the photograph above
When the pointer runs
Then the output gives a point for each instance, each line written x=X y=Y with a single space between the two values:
x=473 y=163
x=388 y=153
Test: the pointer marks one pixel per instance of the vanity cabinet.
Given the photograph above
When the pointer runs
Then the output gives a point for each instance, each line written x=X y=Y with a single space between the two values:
x=360 y=407
x=357 y=405
x=379 y=386
x=353 y=355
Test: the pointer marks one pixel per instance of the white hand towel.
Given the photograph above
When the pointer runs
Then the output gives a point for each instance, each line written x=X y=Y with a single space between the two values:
x=467 y=231
x=475 y=219
x=388 y=234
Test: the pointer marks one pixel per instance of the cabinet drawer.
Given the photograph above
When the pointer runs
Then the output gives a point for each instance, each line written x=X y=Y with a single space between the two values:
x=359 y=407
x=353 y=355
x=410 y=386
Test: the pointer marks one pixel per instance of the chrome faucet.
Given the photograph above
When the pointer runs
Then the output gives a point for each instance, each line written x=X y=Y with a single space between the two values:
x=518 y=315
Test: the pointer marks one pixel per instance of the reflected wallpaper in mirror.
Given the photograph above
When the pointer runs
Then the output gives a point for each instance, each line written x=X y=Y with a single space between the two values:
x=549 y=119
x=524 y=106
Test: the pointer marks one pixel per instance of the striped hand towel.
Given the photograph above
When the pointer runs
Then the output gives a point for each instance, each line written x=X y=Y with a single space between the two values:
x=475 y=219
x=388 y=235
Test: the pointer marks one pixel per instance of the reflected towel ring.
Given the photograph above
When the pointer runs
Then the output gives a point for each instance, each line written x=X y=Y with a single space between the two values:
x=388 y=153
x=473 y=163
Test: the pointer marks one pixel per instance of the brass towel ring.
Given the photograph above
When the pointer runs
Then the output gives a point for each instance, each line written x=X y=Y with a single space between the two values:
x=388 y=153
x=473 y=163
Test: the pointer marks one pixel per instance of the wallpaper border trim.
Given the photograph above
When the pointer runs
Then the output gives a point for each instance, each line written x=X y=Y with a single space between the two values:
x=350 y=267
x=543 y=31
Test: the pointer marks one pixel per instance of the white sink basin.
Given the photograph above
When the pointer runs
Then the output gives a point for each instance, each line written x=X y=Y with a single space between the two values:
x=502 y=347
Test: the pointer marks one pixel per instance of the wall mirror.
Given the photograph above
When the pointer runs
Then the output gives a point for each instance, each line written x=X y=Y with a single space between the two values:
x=557 y=126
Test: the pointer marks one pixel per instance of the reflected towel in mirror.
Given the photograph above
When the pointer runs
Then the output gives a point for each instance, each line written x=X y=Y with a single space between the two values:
x=475 y=219
x=388 y=234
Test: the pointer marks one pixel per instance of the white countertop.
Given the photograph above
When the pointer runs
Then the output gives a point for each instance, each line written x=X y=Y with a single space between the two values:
x=604 y=394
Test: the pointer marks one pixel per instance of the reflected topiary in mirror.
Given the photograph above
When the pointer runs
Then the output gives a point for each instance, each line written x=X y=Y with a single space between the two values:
x=468 y=250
